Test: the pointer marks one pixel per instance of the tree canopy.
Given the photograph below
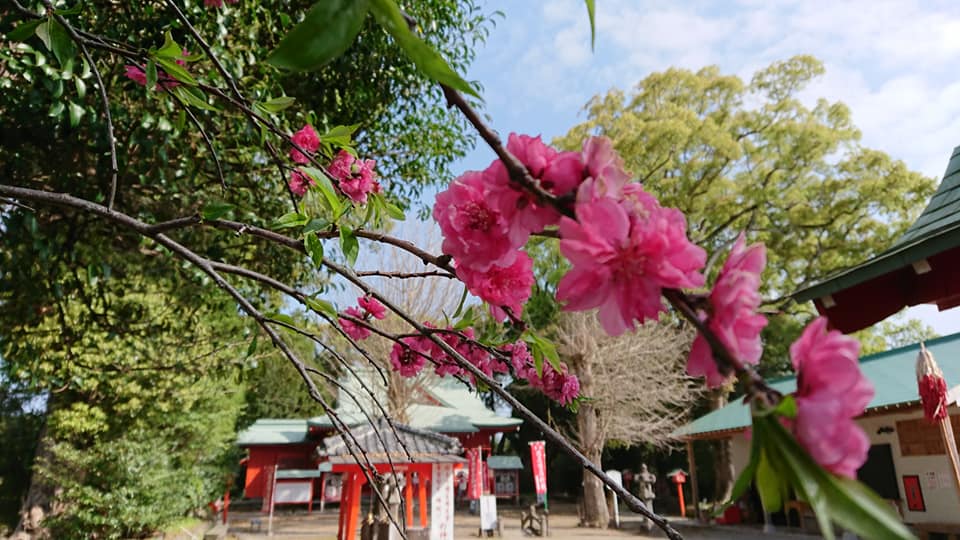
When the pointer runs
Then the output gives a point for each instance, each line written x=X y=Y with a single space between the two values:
x=753 y=157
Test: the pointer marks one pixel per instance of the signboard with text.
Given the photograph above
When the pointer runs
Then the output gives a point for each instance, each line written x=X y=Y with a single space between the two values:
x=475 y=474
x=441 y=502
x=538 y=461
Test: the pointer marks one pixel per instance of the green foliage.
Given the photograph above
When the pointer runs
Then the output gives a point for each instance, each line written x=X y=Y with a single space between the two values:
x=327 y=31
x=892 y=333
x=749 y=156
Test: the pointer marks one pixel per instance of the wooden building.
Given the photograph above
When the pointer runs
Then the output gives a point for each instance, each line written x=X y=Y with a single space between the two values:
x=907 y=463
x=444 y=406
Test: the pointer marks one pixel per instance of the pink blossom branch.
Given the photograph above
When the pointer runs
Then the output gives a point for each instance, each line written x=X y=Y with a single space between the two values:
x=124 y=220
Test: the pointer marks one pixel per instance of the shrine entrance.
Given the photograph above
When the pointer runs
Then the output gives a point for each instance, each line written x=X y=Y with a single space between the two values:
x=416 y=468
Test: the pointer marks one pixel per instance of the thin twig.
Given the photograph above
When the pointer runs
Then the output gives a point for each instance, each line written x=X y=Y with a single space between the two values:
x=203 y=133
x=114 y=169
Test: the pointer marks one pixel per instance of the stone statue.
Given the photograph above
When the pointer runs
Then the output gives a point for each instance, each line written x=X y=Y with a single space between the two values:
x=645 y=479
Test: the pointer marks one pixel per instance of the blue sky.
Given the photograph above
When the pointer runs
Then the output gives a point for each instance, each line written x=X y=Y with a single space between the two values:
x=892 y=62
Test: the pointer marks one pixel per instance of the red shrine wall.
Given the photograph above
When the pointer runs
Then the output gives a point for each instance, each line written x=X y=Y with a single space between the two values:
x=261 y=458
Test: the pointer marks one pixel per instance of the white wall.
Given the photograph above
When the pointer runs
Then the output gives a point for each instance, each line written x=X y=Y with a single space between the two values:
x=941 y=499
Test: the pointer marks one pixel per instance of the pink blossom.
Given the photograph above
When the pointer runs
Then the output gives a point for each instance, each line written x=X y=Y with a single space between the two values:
x=558 y=172
x=604 y=167
x=624 y=253
x=501 y=286
x=136 y=74
x=734 y=301
x=217 y=3
x=407 y=358
x=356 y=177
x=300 y=182
x=307 y=139
x=354 y=330
x=831 y=392
x=372 y=306
x=474 y=232
x=560 y=386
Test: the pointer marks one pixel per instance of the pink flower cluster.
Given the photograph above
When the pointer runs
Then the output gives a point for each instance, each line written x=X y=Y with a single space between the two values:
x=831 y=392
x=369 y=307
x=138 y=75
x=410 y=355
x=486 y=218
x=733 y=317
x=560 y=386
x=355 y=177
x=307 y=139
x=623 y=245
x=217 y=3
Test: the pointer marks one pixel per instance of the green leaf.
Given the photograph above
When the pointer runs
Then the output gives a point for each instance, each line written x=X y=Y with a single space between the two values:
x=326 y=188
x=341 y=136
x=422 y=54
x=849 y=503
x=176 y=71
x=328 y=29
x=293 y=219
x=81 y=87
x=787 y=407
x=70 y=11
x=55 y=110
x=63 y=46
x=314 y=248
x=216 y=210
x=76 y=113
x=252 y=348
x=321 y=306
x=349 y=245
x=43 y=32
x=281 y=317
x=394 y=211
x=277 y=104
x=151 y=74
x=24 y=30
x=769 y=484
x=192 y=97
x=170 y=48
x=315 y=224
x=463 y=298
x=591 y=8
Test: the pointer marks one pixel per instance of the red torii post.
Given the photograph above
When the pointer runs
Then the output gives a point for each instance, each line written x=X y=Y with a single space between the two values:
x=354 y=479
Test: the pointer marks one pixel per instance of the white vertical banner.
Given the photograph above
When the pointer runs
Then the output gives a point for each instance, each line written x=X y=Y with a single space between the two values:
x=441 y=502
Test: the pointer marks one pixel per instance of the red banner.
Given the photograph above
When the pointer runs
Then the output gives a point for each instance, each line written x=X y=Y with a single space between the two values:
x=538 y=460
x=475 y=474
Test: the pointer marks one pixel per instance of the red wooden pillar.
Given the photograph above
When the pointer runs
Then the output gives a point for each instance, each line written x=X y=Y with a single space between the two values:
x=354 y=511
x=422 y=496
x=408 y=497
x=345 y=505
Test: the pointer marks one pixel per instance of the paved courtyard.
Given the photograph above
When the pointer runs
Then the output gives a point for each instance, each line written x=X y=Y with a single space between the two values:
x=298 y=525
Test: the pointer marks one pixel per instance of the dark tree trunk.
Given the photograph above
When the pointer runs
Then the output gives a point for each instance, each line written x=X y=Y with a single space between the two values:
x=595 y=512
x=724 y=478
x=39 y=502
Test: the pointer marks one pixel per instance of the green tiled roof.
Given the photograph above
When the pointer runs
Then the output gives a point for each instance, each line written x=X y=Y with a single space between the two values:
x=893 y=374
x=936 y=230
x=504 y=463
x=273 y=431
x=460 y=410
